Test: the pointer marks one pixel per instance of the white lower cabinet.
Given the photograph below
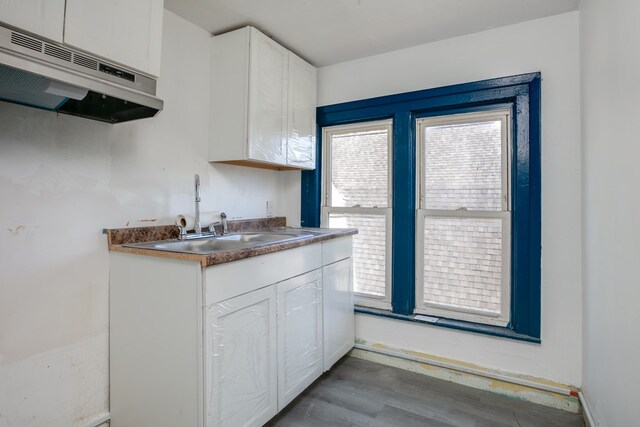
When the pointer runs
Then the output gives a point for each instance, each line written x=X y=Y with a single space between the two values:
x=339 y=328
x=299 y=334
x=242 y=360
x=227 y=345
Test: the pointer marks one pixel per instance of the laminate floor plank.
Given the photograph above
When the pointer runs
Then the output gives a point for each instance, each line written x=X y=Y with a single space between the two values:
x=394 y=417
x=359 y=393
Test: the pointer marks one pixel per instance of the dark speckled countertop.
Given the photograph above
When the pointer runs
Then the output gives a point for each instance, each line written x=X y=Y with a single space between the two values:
x=122 y=236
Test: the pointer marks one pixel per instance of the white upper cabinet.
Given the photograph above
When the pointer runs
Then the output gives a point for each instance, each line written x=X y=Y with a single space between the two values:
x=42 y=17
x=268 y=100
x=263 y=102
x=127 y=32
x=301 y=131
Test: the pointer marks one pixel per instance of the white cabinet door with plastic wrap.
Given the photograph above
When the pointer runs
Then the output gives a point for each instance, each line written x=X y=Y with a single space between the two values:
x=128 y=32
x=301 y=142
x=299 y=334
x=241 y=360
x=268 y=100
x=42 y=17
x=338 y=311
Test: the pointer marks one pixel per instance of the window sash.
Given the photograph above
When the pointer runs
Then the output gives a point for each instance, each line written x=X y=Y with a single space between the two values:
x=327 y=139
x=327 y=135
x=368 y=300
x=502 y=115
x=462 y=313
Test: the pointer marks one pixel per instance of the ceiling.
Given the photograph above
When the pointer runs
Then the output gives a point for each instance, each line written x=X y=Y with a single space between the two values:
x=326 y=32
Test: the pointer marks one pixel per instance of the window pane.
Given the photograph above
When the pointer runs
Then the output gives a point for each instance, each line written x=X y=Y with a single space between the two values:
x=359 y=169
x=369 y=247
x=463 y=166
x=463 y=262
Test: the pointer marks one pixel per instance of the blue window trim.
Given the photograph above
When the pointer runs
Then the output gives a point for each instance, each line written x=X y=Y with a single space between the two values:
x=460 y=325
x=522 y=94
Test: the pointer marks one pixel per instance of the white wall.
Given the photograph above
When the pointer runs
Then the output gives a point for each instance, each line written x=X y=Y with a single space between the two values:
x=610 y=42
x=63 y=179
x=549 y=45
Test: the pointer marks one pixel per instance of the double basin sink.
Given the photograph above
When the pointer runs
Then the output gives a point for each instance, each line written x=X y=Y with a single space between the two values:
x=235 y=241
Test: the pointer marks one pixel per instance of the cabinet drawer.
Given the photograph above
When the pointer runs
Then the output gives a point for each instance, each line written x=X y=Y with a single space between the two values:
x=238 y=277
x=336 y=249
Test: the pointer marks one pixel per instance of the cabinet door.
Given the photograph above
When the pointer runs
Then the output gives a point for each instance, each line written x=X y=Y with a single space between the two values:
x=128 y=32
x=338 y=311
x=299 y=334
x=268 y=100
x=301 y=142
x=42 y=17
x=241 y=360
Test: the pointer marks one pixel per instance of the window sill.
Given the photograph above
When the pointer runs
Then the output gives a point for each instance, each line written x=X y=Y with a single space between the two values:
x=460 y=325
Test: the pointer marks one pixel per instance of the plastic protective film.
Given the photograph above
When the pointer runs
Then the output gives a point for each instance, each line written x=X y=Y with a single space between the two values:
x=268 y=134
x=300 y=335
x=239 y=377
x=301 y=149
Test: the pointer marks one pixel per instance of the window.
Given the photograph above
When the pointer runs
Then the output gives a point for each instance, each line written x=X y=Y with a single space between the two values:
x=463 y=219
x=444 y=185
x=356 y=185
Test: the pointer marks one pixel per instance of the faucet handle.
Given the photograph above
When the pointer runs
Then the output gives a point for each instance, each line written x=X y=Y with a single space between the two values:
x=223 y=217
x=182 y=232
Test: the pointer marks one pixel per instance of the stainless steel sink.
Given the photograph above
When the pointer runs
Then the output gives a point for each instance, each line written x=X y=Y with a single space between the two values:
x=259 y=237
x=224 y=243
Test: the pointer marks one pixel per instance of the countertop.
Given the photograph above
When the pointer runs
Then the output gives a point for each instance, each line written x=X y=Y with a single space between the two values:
x=119 y=237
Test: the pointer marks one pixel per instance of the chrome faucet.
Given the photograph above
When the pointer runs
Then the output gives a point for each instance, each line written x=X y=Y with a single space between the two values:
x=197 y=227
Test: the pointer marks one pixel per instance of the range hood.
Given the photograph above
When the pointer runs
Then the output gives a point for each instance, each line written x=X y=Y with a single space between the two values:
x=51 y=76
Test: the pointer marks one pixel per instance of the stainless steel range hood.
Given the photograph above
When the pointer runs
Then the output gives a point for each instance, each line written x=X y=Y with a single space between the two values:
x=51 y=76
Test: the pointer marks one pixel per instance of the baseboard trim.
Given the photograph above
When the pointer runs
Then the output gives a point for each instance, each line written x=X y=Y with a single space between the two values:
x=99 y=420
x=586 y=411
x=531 y=389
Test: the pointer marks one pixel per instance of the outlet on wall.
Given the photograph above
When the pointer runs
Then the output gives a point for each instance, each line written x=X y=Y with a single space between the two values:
x=271 y=208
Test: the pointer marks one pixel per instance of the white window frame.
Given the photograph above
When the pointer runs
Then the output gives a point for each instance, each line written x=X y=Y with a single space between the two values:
x=327 y=134
x=460 y=313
